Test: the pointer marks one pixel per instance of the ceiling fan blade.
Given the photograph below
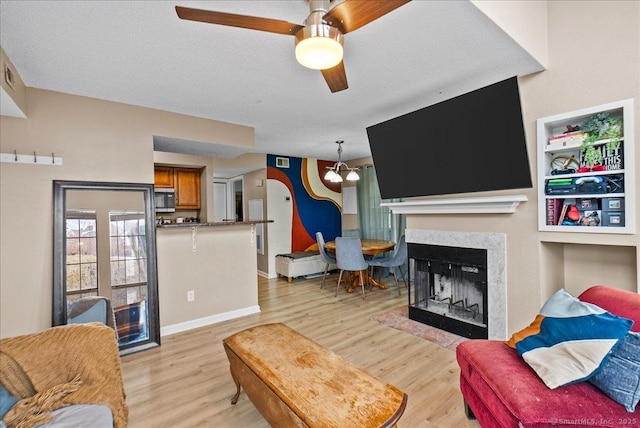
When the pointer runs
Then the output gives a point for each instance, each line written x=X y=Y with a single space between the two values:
x=242 y=21
x=336 y=78
x=353 y=14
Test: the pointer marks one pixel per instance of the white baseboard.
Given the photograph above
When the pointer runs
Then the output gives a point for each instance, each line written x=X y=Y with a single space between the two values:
x=213 y=319
x=266 y=275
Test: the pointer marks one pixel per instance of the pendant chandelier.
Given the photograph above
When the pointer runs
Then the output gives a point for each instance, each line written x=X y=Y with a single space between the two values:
x=333 y=174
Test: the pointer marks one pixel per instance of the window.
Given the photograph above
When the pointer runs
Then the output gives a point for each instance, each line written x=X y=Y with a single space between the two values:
x=128 y=257
x=376 y=222
x=81 y=254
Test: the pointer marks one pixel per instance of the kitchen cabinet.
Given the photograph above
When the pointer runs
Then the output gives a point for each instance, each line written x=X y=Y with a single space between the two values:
x=187 y=185
x=163 y=176
x=185 y=181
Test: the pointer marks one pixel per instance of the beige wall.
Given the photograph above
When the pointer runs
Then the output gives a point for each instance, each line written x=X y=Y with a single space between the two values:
x=594 y=58
x=255 y=187
x=524 y=20
x=246 y=162
x=610 y=31
x=14 y=97
x=221 y=271
x=98 y=141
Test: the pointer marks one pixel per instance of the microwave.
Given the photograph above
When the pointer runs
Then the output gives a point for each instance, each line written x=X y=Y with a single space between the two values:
x=165 y=200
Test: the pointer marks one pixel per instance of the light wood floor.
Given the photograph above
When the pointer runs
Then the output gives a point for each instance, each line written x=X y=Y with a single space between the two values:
x=186 y=381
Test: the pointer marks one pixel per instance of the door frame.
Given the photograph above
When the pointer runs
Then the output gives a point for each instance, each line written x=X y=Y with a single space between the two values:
x=231 y=194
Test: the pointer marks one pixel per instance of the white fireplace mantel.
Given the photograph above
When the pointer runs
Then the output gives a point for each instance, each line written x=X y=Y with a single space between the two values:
x=475 y=205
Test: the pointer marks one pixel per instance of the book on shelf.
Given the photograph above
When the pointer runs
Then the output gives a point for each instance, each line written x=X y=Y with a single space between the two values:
x=570 y=140
x=554 y=211
x=559 y=181
x=575 y=135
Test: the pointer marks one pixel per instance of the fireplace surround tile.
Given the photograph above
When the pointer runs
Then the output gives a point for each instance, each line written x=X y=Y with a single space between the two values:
x=496 y=245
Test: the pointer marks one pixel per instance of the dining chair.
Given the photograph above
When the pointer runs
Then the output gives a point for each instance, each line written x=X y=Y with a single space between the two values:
x=349 y=258
x=397 y=260
x=326 y=257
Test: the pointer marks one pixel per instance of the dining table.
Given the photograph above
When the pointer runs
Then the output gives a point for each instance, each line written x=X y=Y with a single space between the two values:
x=370 y=248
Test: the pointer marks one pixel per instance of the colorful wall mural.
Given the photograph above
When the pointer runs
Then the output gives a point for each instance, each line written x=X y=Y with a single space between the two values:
x=317 y=204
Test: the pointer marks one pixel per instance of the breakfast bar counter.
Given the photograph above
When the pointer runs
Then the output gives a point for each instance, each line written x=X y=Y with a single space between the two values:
x=213 y=224
x=207 y=273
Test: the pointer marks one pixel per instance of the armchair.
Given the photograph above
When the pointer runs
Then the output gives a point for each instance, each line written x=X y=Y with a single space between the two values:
x=56 y=369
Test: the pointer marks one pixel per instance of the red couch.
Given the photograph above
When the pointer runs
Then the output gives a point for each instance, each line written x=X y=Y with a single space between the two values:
x=501 y=390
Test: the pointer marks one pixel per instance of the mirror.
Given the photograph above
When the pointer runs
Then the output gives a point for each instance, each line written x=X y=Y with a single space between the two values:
x=104 y=259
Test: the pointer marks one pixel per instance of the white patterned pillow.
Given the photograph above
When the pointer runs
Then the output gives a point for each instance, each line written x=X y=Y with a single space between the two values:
x=569 y=341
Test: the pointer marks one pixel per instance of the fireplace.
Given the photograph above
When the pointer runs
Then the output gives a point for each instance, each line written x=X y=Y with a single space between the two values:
x=449 y=288
x=457 y=281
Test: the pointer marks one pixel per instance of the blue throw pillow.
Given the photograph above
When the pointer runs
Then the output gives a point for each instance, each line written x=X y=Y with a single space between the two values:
x=570 y=340
x=6 y=401
x=620 y=376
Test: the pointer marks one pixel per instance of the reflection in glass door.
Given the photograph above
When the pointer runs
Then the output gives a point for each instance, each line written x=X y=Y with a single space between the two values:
x=128 y=274
x=81 y=255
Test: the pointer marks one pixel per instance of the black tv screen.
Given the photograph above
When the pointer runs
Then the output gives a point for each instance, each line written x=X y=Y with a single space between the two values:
x=471 y=143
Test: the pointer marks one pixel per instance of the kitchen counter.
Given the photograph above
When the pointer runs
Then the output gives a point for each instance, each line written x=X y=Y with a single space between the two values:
x=213 y=224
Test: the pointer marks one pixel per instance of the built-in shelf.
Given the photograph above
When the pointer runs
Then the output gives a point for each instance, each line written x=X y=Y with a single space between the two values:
x=475 y=205
x=606 y=205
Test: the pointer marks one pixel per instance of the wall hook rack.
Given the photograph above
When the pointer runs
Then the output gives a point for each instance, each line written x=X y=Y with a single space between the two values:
x=33 y=159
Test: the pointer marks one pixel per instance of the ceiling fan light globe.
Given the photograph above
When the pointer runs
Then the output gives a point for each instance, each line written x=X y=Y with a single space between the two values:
x=319 y=46
x=353 y=176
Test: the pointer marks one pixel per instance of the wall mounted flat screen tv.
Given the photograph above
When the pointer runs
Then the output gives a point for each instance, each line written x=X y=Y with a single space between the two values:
x=471 y=143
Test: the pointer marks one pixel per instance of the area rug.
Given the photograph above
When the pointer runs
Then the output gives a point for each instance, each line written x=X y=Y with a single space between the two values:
x=399 y=319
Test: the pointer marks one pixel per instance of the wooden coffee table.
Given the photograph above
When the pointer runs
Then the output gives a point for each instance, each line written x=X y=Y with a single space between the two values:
x=294 y=381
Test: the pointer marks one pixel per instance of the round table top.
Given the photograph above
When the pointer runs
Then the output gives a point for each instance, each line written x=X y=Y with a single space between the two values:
x=370 y=247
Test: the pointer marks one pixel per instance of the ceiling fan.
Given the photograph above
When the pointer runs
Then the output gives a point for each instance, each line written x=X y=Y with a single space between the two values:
x=319 y=42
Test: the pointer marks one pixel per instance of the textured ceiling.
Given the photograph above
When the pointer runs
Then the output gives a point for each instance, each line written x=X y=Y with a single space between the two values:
x=141 y=53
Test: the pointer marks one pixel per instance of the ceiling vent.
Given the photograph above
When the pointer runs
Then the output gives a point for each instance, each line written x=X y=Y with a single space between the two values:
x=282 y=162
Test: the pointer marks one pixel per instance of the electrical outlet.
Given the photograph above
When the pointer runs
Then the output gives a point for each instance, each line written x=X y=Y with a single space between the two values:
x=191 y=296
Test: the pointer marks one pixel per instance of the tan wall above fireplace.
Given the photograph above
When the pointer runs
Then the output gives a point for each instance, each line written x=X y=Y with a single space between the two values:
x=540 y=263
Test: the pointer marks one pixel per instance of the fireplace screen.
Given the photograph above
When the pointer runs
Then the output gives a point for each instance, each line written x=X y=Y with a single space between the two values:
x=448 y=288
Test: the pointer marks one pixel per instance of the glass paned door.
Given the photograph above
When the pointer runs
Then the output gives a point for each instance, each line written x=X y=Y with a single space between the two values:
x=81 y=255
x=128 y=274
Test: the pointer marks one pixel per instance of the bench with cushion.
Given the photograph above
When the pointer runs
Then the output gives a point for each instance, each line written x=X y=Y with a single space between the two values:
x=300 y=263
